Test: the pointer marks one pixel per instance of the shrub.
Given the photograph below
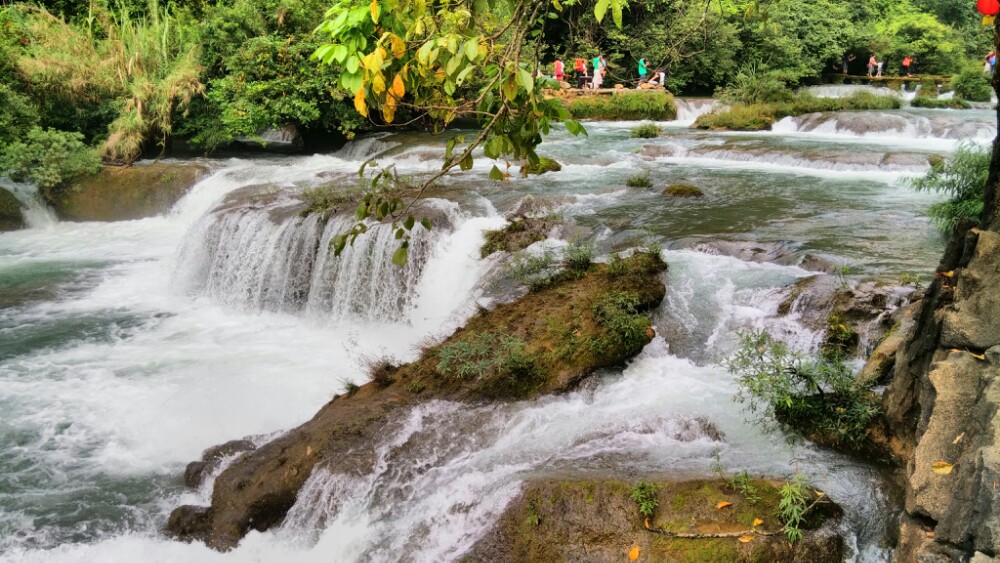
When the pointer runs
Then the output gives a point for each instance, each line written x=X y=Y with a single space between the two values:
x=739 y=117
x=496 y=363
x=644 y=495
x=640 y=181
x=755 y=84
x=795 y=495
x=48 y=158
x=972 y=84
x=625 y=327
x=380 y=371
x=533 y=270
x=963 y=178
x=646 y=131
x=579 y=256
x=817 y=397
x=657 y=106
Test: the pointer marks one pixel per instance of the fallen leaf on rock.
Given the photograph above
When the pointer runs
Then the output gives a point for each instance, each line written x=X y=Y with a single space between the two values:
x=723 y=504
x=942 y=467
x=634 y=554
x=929 y=534
x=757 y=521
x=950 y=274
x=959 y=439
x=980 y=357
x=309 y=451
x=746 y=538
x=819 y=493
x=646 y=523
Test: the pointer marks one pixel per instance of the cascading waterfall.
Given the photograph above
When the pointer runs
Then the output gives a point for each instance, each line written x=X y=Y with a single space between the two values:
x=689 y=109
x=274 y=259
x=36 y=213
x=894 y=125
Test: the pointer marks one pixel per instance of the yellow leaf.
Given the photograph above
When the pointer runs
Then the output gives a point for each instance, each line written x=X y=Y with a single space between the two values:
x=374 y=8
x=398 y=89
x=942 y=467
x=309 y=451
x=378 y=83
x=980 y=357
x=959 y=438
x=746 y=538
x=646 y=523
x=723 y=504
x=819 y=493
x=359 y=102
x=398 y=46
x=757 y=521
x=950 y=274
x=634 y=553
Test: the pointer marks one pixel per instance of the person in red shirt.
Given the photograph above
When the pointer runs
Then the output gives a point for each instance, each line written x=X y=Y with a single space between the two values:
x=580 y=68
x=907 y=61
x=558 y=70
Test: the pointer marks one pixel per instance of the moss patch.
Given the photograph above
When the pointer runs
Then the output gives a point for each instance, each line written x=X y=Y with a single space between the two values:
x=544 y=165
x=683 y=190
x=521 y=233
x=121 y=193
x=598 y=520
x=10 y=212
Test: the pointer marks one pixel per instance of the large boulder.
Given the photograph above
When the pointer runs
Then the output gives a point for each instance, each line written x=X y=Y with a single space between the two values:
x=122 y=193
x=10 y=212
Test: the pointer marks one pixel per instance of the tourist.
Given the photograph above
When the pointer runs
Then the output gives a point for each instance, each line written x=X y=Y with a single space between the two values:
x=871 y=65
x=993 y=61
x=557 y=70
x=599 y=69
x=907 y=61
x=847 y=60
x=658 y=79
x=580 y=68
x=879 y=65
x=642 y=70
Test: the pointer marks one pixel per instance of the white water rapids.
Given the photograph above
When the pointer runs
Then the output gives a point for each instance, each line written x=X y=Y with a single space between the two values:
x=128 y=348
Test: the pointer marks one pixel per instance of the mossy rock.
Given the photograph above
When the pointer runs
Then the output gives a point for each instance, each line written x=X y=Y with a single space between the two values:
x=683 y=190
x=547 y=342
x=521 y=233
x=10 y=212
x=122 y=193
x=544 y=165
x=597 y=520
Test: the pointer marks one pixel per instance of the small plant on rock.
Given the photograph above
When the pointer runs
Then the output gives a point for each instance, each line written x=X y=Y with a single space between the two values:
x=640 y=181
x=579 y=256
x=795 y=495
x=646 y=131
x=645 y=497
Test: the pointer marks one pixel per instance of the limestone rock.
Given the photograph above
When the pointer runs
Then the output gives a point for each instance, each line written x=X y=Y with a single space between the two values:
x=973 y=320
x=10 y=212
x=122 y=193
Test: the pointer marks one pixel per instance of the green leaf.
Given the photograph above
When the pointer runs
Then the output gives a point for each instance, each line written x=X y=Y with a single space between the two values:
x=466 y=163
x=400 y=233
x=496 y=174
x=340 y=53
x=510 y=89
x=616 y=13
x=449 y=87
x=600 y=9
x=408 y=224
x=426 y=223
x=472 y=48
x=399 y=257
x=352 y=64
x=362 y=210
x=525 y=80
x=361 y=171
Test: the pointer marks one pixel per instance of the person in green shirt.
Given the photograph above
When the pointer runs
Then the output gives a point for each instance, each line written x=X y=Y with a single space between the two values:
x=643 y=71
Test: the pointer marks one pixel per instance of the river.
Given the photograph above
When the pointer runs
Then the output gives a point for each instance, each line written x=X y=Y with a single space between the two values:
x=127 y=348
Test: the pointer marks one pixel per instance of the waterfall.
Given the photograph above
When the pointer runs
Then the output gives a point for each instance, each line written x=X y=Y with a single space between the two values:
x=689 y=109
x=890 y=125
x=37 y=214
x=365 y=148
x=275 y=259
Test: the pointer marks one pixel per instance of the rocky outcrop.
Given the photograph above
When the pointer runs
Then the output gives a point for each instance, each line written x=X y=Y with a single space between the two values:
x=10 y=212
x=587 y=520
x=122 y=193
x=546 y=342
x=942 y=401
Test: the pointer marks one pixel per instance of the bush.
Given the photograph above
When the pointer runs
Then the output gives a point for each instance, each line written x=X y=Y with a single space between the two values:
x=579 y=256
x=795 y=495
x=496 y=363
x=759 y=116
x=972 y=84
x=934 y=103
x=644 y=495
x=819 y=398
x=963 y=178
x=48 y=158
x=646 y=131
x=640 y=181
x=625 y=106
x=625 y=327
x=754 y=84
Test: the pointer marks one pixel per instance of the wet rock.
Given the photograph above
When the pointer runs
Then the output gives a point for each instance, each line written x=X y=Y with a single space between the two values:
x=125 y=193
x=683 y=190
x=10 y=212
x=692 y=429
x=188 y=523
x=197 y=471
x=285 y=139
x=815 y=263
x=597 y=520
x=882 y=360
x=257 y=490
x=519 y=234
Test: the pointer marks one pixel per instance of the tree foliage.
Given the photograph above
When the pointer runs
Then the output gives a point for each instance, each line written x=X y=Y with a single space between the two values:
x=963 y=179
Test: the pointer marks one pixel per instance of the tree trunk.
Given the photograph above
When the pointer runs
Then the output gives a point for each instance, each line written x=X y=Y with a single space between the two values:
x=991 y=207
